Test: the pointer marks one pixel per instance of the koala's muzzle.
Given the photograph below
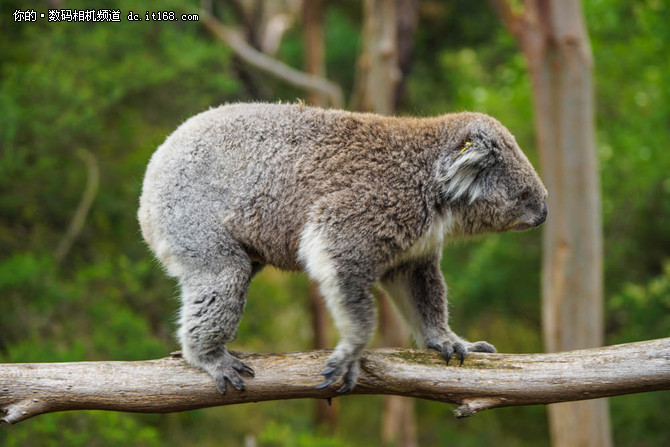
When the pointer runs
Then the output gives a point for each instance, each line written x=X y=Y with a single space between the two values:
x=543 y=215
x=530 y=221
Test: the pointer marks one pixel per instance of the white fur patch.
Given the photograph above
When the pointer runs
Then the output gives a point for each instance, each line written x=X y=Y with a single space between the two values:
x=476 y=191
x=171 y=264
x=159 y=245
x=461 y=175
x=314 y=257
x=431 y=241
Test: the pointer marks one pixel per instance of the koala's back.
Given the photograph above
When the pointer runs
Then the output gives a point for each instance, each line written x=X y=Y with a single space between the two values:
x=254 y=172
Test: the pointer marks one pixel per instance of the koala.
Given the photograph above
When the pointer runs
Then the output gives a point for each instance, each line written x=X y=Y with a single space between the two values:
x=352 y=199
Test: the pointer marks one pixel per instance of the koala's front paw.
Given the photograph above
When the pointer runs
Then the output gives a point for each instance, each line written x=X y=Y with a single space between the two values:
x=224 y=368
x=449 y=348
x=341 y=364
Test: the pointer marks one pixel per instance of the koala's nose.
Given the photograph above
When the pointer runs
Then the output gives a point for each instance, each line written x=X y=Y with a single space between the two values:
x=543 y=215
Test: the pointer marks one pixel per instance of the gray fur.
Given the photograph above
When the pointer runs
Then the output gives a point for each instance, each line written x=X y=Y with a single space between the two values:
x=353 y=199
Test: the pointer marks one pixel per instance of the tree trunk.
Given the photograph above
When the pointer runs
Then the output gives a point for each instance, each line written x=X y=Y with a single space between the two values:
x=313 y=41
x=555 y=42
x=377 y=69
x=407 y=19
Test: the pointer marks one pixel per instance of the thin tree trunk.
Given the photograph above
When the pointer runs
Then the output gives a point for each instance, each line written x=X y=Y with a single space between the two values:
x=377 y=69
x=313 y=40
x=572 y=288
x=555 y=42
x=407 y=20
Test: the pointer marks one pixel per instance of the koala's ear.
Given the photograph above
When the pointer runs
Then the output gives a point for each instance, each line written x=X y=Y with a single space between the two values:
x=458 y=171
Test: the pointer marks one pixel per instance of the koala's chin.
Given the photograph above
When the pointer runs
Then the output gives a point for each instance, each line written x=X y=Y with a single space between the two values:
x=522 y=226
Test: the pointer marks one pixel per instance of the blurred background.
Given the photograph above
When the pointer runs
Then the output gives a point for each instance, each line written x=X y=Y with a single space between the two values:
x=83 y=105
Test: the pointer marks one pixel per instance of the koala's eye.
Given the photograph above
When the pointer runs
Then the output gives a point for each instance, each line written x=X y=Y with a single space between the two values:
x=525 y=196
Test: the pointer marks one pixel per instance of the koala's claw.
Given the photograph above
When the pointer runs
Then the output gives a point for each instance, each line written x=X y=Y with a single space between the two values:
x=328 y=371
x=335 y=368
x=229 y=369
x=448 y=349
x=350 y=377
x=460 y=351
x=326 y=383
x=345 y=388
x=233 y=377
x=244 y=368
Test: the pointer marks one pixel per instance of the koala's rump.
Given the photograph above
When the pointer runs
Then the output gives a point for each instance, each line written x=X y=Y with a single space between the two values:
x=230 y=173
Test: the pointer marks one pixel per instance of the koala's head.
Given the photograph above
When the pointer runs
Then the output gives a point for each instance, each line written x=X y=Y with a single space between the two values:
x=485 y=181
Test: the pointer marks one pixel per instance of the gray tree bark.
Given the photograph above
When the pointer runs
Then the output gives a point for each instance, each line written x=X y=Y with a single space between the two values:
x=378 y=72
x=484 y=381
x=555 y=42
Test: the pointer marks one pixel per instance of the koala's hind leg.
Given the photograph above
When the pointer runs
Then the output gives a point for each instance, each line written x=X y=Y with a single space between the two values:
x=419 y=291
x=213 y=298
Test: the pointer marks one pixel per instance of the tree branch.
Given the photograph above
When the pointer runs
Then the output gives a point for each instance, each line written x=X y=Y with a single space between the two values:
x=261 y=61
x=79 y=218
x=484 y=381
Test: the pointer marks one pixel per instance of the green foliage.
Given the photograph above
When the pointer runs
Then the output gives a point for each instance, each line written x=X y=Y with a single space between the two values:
x=100 y=429
x=117 y=89
x=633 y=92
x=641 y=311
x=281 y=435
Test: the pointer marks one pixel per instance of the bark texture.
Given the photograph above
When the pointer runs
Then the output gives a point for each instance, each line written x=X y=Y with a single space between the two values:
x=484 y=381
x=378 y=72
